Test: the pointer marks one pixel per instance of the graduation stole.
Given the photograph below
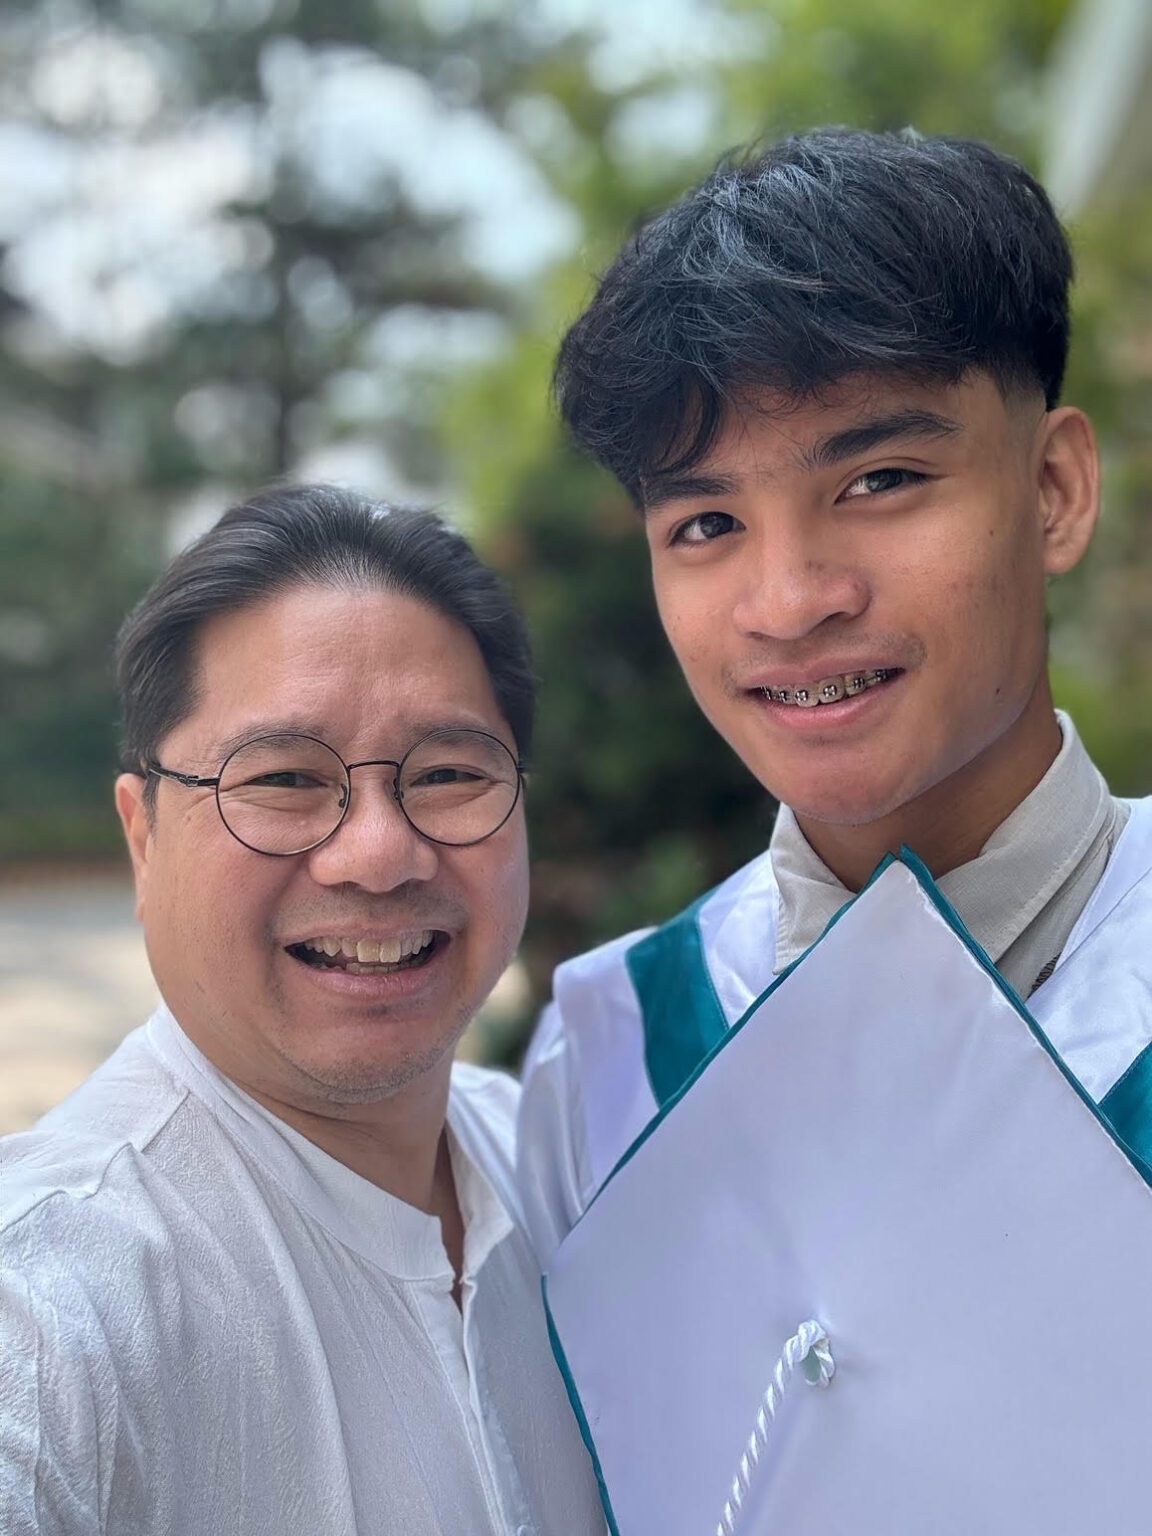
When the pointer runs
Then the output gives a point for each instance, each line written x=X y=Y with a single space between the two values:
x=884 y=1180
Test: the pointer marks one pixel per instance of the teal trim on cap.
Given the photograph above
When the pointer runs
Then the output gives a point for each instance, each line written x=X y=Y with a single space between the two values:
x=1127 y=1106
x=578 y=1409
x=916 y=866
x=1129 y=1101
x=702 y=1063
x=683 y=1019
x=1132 y=1107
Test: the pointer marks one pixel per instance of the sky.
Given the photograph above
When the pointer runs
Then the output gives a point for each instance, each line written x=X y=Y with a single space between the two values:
x=114 y=214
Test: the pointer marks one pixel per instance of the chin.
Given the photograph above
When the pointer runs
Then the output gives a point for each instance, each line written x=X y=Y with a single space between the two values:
x=371 y=1080
x=849 y=805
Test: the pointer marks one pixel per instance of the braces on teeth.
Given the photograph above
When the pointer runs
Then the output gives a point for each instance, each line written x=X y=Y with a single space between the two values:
x=831 y=689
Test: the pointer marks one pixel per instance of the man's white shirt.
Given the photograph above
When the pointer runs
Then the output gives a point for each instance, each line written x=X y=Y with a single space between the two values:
x=210 y=1326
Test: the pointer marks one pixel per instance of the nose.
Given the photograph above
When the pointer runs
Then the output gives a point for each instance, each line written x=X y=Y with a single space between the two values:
x=798 y=579
x=375 y=847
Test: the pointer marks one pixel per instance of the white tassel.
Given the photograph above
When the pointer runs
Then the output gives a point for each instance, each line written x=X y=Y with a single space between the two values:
x=810 y=1349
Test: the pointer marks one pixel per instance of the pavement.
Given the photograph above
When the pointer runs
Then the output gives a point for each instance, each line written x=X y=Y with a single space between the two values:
x=74 y=980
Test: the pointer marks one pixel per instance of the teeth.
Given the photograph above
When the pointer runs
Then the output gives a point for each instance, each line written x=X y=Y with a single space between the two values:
x=384 y=952
x=830 y=689
x=361 y=953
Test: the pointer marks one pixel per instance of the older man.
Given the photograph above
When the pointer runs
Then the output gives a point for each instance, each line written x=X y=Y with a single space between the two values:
x=263 y=1272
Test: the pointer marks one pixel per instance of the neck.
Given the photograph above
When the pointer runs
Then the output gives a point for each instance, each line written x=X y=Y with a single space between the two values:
x=399 y=1144
x=396 y=1143
x=950 y=823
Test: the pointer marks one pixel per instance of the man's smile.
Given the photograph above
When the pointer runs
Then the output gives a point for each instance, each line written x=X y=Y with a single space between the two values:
x=369 y=956
x=829 y=690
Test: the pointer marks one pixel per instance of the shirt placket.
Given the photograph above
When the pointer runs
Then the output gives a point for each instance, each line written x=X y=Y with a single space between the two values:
x=497 y=1456
x=453 y=1337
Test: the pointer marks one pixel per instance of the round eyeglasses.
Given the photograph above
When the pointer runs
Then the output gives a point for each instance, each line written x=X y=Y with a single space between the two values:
x=287 y=794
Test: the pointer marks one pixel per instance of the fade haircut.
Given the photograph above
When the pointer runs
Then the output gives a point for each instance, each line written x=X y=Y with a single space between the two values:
x=309 y=536
x=832 y=253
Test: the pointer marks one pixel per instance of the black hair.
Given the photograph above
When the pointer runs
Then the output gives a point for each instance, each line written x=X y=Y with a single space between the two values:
x=309 y=535
x=831 y=253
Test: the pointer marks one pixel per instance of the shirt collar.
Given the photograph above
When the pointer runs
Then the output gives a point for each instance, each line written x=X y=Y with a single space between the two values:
x=400 y=1239
x=998 y=893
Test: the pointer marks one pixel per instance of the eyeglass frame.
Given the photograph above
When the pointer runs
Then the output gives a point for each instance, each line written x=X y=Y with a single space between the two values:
x=201 y=781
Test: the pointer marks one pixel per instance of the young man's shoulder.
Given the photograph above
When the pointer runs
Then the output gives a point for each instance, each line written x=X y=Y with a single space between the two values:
x=604 y=1055
x=752 y=888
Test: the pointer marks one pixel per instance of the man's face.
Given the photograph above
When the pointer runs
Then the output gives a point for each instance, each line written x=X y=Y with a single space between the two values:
x=890 y=542
x=368 y=672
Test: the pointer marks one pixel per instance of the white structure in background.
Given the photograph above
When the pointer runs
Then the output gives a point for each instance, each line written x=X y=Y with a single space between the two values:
x=1100 y=111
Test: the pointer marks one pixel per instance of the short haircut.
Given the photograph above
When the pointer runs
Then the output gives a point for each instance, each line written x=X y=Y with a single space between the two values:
x=831 y=253
x=308 y=536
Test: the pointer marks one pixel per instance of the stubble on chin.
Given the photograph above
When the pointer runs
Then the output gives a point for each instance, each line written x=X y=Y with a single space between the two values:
x=363 y=1082
x=366 y=1078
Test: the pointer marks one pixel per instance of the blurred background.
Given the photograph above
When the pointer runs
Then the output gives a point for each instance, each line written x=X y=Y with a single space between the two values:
x=340 y=239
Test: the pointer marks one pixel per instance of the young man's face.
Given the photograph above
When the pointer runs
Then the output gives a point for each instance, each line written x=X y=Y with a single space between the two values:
x=885 y=548
x=235 y=936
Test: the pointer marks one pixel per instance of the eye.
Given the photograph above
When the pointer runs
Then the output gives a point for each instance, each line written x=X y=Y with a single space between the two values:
x=446 y=774
x=876 y=481
x=285 y=778
x=704 y=528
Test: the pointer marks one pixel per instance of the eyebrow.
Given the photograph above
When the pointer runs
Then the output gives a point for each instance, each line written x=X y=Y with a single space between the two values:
x=863 y=436
x=253 y=732
x=414 y=729
x=826 y=452
x=661 y=490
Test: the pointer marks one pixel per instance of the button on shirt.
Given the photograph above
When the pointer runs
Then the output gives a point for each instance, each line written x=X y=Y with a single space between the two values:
x=209 y=1327
x=1020 y=897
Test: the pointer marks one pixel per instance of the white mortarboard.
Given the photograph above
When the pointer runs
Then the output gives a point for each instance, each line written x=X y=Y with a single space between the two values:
x=886 y=1149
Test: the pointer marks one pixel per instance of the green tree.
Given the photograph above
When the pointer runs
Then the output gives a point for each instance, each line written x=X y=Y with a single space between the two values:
x=237 y=251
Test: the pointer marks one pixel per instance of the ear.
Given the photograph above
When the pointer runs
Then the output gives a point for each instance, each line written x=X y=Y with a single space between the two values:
x=1068 y=486
x=137 y=824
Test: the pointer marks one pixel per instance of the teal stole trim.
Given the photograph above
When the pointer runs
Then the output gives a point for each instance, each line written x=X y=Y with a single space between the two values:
x=682 y=1016
x=578 y=1409
x=681 y=1012
x=1127 y=1107
x=1125 y=1111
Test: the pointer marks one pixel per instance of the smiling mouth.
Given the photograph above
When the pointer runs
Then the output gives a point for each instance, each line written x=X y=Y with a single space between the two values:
x=830 y=690
x=369 y=957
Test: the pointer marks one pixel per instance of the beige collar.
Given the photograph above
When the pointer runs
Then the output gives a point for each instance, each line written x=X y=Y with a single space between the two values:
x=1019 y=870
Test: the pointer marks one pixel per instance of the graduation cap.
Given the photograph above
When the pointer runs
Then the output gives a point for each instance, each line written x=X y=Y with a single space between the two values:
x=880 y=1268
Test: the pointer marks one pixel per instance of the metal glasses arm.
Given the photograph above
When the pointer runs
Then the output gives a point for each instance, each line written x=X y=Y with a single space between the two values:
x=189 y=780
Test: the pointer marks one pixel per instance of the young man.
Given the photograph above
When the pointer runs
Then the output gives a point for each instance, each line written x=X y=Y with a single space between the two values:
x=263 y=1273
x=830 y=379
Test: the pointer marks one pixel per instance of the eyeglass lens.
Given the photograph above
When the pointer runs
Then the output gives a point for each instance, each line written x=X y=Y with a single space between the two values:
x=285 y=794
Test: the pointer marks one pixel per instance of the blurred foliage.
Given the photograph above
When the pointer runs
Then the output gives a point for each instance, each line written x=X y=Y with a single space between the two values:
x=265 y=344
x=69 y=567
x=636 y=806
